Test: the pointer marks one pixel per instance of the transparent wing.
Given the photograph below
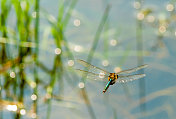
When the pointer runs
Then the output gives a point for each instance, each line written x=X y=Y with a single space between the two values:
x=92 y=76
x=124 y=79
x=133 y=69
x=92 y=68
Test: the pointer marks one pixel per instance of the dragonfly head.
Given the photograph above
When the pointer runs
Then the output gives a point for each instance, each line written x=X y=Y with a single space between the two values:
x=114 y=77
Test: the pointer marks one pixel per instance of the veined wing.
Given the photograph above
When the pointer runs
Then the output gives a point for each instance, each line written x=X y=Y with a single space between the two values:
x=133 y=69
x=92 y=76
x=124 y=79
x=92 y=68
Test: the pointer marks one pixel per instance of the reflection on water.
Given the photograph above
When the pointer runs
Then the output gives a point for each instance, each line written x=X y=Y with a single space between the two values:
x=41 y=40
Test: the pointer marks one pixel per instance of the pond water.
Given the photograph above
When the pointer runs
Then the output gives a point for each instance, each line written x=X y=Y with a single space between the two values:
x=39 y=58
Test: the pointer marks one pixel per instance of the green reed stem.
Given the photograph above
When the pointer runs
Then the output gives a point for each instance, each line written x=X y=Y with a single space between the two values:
x=21 y=87
x=70 y=55
x=1 y=112
x=57 y=69
x=140 y=60
x=90 y=56
x=58 y=34
x=36 y=53
x=49 y=101
x=98 y=33
x=106 y=40
x=49 y=109
x=68 y=14
x=23 y=25
x=5 y=8
x=59 y=27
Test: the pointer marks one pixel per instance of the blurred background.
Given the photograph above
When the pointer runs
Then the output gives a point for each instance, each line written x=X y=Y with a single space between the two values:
x=41 y=40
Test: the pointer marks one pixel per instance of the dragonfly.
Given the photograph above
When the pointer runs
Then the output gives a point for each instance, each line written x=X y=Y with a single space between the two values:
x=96 y=73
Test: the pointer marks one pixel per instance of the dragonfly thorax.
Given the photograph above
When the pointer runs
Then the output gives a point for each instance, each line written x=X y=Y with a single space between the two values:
x=114 y=77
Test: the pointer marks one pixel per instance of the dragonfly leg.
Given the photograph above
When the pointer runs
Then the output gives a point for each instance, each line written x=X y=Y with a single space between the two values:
x=112 y=82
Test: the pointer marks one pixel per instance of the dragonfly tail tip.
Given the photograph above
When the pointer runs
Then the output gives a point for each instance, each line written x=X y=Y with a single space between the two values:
x=104 y=91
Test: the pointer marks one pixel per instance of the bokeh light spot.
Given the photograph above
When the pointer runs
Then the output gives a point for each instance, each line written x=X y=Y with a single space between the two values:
x=101 y=74
x=113 y=42
x=23 y=5
x=117 y=69
x=48 y=96
x=169 y=7
x=77 y=48
x=105 y=63
x=49 y=89
x=70 y=63
x=12 y=74
x=33 y=97
x=22 y=111
x=150 y=18
x=33 y=115
x=140 y=16
x=57 y=51
x=81 y=85
x=77 y=22
x=136 y=5
x=34 y=14
x=162 y=29
x=11 y=108
x=33 y=84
